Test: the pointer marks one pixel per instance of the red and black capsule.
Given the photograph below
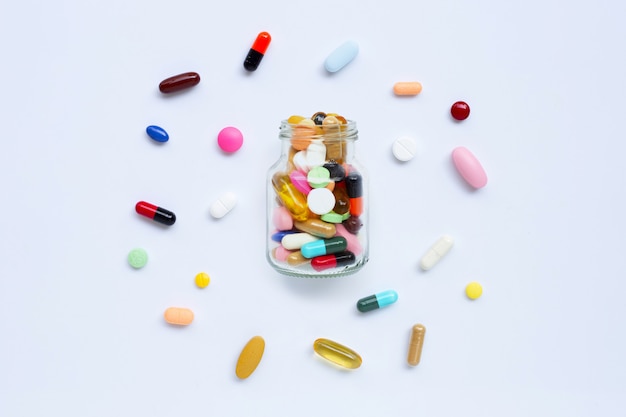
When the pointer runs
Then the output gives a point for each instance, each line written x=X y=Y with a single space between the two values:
x=158 y=214
x=354 y=187
x=252 y=61
x=321 y=263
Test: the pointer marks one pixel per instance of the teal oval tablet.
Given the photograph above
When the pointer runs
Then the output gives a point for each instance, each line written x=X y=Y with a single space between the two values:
x=341 y=56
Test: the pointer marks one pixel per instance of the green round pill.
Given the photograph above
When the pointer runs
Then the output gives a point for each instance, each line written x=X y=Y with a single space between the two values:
x=318 y=177
x=332 y=217
x=138 y=258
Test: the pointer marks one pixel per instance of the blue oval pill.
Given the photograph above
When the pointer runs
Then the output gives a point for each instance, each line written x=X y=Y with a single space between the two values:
x=341 y=56
x=157 y=133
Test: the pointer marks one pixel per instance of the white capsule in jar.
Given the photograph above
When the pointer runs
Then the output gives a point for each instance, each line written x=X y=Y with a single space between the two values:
x=295 y=241
x=437 y=251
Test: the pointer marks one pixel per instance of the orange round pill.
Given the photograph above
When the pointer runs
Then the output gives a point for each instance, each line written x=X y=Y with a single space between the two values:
x=178 y=316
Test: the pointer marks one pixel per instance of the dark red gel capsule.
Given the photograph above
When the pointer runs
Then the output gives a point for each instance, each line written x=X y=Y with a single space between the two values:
x=158 y=214
x=252 y=61
x=179 y=82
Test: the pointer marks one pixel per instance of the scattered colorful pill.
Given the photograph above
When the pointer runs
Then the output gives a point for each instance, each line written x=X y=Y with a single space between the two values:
x=416 y=344
x=469 y=167
x=412 y=88
x=404 y=148
x=230 y=139
x=473 y=290
x=250 y=357
x=178 y=316
x=460 y=110
x=223 y=205
x=179 y=82
x=158 y=214
x=342 y=56
x=376 y=301
x=256 y=53
x=158 y=134
x=202 y=280
x=138 y=258
x=437 y=251
x=338 y=354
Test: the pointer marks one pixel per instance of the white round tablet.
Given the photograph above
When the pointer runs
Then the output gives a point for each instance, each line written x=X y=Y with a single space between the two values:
x=223 y=205
x=404 y=148
x=320 y=200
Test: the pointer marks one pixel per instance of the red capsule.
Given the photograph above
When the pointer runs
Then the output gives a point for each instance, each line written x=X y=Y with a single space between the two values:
x=158 y=214
x=179 y=82
x=321 y=263
x=255 y=55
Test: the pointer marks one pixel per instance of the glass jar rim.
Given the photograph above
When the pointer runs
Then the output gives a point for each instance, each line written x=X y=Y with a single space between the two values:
x=347 y=131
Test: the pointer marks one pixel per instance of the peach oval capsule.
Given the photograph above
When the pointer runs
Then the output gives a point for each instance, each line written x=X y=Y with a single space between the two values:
x=468 y=166
x=250 y=357
x=412 y=88
x=178 y=315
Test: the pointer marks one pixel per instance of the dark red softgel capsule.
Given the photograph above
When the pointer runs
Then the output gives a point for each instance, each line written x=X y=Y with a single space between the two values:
x=460 y=110
x=158 y=214
x=252 y=61
x=179 y=82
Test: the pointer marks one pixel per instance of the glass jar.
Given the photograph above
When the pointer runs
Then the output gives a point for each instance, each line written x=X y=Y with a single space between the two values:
x=317 y=200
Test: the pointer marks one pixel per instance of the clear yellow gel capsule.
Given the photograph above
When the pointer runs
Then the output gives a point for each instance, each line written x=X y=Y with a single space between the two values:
x=337 y=354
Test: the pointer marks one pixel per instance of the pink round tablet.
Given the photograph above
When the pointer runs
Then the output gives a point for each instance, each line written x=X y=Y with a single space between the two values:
x=468 y=166
x=230 y=139
x=282 y=219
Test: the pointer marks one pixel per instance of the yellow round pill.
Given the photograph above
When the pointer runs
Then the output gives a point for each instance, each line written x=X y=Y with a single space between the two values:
x=473 y=290
x=202 y=280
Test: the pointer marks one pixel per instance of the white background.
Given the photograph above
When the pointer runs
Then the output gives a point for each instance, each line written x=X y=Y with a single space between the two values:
x=82 y=333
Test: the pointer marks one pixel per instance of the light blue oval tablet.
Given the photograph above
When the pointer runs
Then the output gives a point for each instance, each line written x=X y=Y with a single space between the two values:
x=157 y=133
x=341 y=56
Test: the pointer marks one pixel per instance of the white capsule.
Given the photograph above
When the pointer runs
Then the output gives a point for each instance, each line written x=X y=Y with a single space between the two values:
x=223 y=205
x=404 y=148
x=295 y=241
x=436 y=252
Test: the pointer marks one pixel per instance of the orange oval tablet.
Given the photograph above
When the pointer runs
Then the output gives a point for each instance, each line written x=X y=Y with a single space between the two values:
x=407 y=88
x=178 y=315
x=250 y=357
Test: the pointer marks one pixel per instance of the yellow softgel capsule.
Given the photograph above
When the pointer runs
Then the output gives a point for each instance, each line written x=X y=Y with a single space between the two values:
x=338 y=354
x=473 y=290
x=203 y=280
x=250 y=357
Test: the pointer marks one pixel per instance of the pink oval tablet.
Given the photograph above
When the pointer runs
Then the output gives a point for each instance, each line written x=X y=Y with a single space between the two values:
x=230 y=139
x=281 y=254
x=468 y=166
x=282 y=219
x=300 y=181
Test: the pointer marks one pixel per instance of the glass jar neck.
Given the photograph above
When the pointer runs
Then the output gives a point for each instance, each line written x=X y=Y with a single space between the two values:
x=337 y=139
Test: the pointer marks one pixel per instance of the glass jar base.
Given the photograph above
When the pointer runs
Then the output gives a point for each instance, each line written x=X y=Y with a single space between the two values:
x=309 y=272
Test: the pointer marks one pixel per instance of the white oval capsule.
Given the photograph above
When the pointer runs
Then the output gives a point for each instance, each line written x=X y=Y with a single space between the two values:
x=223 y=205
x=341 y=56
x=436 y=252
x=296 y=240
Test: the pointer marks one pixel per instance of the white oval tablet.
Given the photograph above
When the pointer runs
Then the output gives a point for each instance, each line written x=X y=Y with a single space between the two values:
x=299 y=160
x=295 y=241
x=320 y=200
x=341 y=56
x=404 y=148
x=436 y=252
x=316 y=153
x=223 y=205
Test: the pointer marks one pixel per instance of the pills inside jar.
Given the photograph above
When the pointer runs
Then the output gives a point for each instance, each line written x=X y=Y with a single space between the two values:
x=318 y=190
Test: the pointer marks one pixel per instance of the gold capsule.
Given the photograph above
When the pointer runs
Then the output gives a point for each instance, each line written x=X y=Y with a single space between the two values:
x=415 y=345
x=296 y=258
x=316 y=227
x=337 y=354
